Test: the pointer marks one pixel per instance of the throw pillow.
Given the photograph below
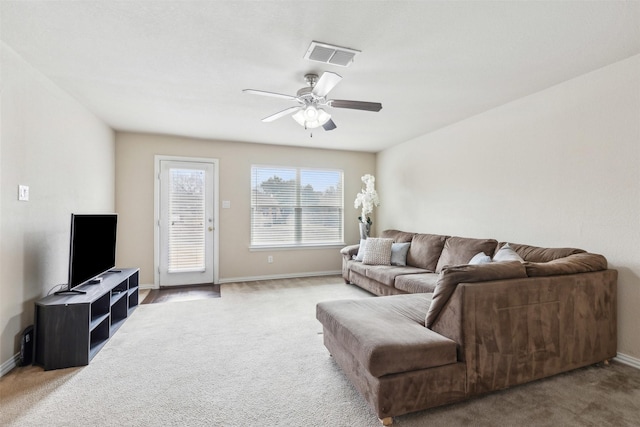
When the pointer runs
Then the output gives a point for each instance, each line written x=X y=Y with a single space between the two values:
x=480 y=258
x=506 y=253
x=399 y=253
x=361 y=250
x=378 y=251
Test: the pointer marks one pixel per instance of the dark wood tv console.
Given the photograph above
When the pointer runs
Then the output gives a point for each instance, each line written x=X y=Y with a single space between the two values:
x=71 y=329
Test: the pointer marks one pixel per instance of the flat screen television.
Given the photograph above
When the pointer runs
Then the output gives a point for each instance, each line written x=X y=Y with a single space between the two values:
x=92 y=250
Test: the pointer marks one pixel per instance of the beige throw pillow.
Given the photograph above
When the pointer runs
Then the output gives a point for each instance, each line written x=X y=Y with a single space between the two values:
x=378 y=251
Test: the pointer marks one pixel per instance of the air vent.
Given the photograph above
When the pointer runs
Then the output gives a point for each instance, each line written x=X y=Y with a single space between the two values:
x=330 y=54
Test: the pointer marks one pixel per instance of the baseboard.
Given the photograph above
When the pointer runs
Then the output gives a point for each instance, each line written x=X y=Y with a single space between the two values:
x=627 y=360
x=268 y=277
x=7 y=366
x=279 y=276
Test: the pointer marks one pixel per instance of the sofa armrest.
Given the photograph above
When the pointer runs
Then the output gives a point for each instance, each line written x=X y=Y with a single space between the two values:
x=451 y=276
x=513 y=331
x=576 y=263
x=349 y=251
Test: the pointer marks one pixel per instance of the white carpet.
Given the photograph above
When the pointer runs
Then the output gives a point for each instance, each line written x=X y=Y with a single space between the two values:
x=255 y=358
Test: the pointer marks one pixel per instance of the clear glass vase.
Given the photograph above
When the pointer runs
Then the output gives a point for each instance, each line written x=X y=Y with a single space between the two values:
x=365 y=228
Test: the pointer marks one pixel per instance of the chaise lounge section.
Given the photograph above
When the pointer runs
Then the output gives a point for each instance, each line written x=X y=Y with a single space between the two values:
x=482 y=328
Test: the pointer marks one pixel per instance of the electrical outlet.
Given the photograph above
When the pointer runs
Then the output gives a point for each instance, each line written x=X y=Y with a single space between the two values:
x=270 y=259
x=23 y=193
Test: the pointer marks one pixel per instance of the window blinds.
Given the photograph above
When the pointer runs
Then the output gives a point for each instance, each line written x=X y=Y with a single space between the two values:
x=296 y=206
x=186 y=220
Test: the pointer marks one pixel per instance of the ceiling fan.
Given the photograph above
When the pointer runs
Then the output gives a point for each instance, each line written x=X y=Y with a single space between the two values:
x=310 y=112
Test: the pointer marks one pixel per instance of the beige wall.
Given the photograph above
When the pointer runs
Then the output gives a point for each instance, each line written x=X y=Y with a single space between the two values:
x=65 y=155
x=135 y=202
x=557 y=168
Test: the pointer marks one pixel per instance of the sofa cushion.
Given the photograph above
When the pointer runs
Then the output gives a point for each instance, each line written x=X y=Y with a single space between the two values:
x=572 y=264
x=358 y=267
x=425 y=250
x=460 y=250
x=417 y=283
x=537 y=254
x=387 y=334
x=451 y=276
x=397 y=236
x=387 y=274
x=377 y=251
x=399 y=253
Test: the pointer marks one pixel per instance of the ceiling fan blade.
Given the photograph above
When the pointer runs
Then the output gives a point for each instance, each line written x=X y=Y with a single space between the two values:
x=356 y=105
x=327 y=81
x=280 y=114
x=330 y=125
x=272 y=94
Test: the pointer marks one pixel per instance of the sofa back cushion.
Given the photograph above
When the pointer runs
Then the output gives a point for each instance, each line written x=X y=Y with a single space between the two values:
x=537 y=254
x=451 y=276
x=425 y=250
x=460 y=250
x=397 y=236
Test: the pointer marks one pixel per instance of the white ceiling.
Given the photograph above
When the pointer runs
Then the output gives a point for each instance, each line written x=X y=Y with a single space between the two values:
x=179 y=67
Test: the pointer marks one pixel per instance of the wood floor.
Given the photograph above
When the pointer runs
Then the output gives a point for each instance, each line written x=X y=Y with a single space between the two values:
x=182 y=293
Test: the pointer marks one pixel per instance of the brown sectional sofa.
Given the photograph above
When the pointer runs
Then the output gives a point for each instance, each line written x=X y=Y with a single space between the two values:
x=445 y=331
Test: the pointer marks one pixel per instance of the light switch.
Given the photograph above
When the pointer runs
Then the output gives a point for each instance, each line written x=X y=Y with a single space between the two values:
x=226 y=204
x=23 y=193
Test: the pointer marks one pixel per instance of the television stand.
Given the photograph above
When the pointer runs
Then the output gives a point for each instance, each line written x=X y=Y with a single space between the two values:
x=71 y=327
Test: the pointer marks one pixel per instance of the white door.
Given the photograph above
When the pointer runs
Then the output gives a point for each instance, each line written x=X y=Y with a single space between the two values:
x=186 y=223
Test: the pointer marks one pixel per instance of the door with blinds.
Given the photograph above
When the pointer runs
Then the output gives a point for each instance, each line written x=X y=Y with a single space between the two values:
x=186 y=223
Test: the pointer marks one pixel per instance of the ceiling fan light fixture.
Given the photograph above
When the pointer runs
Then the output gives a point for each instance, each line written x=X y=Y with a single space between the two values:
x=299 y=117
x=311 y=117
x=310 y=113
x=323 y=116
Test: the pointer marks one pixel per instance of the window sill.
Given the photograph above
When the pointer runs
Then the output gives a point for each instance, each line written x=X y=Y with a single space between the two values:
x=258 y=248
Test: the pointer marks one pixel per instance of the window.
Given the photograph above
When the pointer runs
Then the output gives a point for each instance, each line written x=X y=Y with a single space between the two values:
x=296 y=206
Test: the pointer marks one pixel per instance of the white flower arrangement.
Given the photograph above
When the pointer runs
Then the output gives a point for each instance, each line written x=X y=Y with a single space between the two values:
x=367 y=198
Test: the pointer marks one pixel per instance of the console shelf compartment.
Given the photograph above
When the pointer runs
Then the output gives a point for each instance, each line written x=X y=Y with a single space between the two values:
x=95 y=322
x=71 y=329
